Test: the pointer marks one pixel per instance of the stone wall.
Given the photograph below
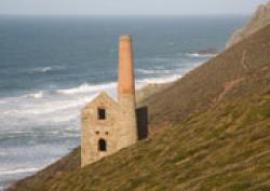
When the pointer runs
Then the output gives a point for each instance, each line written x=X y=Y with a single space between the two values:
x=94 y=129
x=119 y=129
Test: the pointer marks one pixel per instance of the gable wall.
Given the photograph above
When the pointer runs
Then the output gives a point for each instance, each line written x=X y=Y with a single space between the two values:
x=91 y=125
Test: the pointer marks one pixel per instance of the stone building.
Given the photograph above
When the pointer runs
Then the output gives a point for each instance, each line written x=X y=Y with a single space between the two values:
x=108 y=125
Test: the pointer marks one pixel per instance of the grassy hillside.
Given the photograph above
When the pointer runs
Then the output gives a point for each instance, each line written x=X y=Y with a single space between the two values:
x=210 y=83
x=217 y=135
x=226 y=148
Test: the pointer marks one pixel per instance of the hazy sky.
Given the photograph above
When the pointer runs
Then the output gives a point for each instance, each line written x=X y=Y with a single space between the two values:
x=130 y=7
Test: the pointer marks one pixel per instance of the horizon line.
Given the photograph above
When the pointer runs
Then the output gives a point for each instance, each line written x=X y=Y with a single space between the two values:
x=127 y=15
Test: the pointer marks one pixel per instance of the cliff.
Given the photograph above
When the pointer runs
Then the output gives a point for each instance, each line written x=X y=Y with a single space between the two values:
x=213 y=133
x=259 y=20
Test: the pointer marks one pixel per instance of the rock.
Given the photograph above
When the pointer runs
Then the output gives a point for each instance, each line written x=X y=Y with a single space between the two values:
x=258 y=21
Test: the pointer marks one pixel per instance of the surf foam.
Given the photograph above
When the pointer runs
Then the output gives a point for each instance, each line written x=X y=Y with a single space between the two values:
x=198 y=55
x=86 y=88
x=17 y=171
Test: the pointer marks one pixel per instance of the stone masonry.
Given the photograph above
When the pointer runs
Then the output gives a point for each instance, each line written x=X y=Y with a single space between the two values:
x=108 y=125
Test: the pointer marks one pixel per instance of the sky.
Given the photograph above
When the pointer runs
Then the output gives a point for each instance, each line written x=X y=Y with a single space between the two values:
x=129 y=7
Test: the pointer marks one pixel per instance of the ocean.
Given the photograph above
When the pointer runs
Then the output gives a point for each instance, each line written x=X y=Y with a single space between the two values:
x=50 y=66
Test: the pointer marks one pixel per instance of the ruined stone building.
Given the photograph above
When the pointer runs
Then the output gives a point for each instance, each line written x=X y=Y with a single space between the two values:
x=108 y=125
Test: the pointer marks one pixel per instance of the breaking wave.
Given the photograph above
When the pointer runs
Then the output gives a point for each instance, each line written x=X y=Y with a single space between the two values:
x=17 y=171
x=46 y=69
x=36 y=95
x=86 y=88
x=159 y=80
x=43 y=69
x=199 y=55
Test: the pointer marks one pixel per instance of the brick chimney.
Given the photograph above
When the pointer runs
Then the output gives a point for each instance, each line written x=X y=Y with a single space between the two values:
x=126 y=91
x=125 y=67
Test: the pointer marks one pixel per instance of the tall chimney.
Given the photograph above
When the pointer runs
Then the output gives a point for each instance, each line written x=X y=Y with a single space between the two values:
x=126 y=92
x=125 y=67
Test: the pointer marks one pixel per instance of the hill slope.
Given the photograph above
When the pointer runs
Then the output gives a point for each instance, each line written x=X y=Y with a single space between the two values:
x=209 y=83
x=219 y=135
x=258 y=21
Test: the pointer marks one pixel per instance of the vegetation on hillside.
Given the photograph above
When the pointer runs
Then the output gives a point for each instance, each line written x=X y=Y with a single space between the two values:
x=210 y=83
x=226 y=148
x=219 y=135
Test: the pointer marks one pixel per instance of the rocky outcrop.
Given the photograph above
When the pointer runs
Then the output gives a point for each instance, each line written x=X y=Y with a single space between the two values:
x=258 y=21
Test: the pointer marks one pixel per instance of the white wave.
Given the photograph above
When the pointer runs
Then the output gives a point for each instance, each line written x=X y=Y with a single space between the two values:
x=46 y=69
x=86 y=88
x=48 y=106
x=53 y=110
x=198 y=55
x=17 y=171
x=159 y=80
x=37 y=95
x=43 y=69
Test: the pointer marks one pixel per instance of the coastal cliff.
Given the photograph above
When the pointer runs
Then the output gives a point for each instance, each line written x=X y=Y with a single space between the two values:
x=212 y=133
x=258 y=21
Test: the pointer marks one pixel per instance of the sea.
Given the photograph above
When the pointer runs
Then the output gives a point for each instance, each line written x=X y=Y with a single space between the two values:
x=51 y=66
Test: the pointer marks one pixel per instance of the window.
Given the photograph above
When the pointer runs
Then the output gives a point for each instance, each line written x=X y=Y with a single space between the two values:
x=102 y=145
x=101 y=114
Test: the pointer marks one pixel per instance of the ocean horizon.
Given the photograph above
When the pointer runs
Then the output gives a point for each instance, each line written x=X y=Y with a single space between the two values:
x=52 y=66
